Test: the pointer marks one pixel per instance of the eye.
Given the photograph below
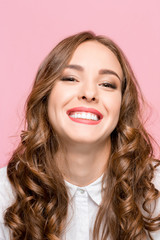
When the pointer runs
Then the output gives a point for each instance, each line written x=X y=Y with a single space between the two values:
x=70 y=79
x=108 y=85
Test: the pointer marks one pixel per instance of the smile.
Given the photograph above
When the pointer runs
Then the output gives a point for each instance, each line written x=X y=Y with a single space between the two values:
x=85 y=115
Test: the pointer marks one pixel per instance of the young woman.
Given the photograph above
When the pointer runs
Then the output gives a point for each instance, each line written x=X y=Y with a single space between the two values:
x=85 y=167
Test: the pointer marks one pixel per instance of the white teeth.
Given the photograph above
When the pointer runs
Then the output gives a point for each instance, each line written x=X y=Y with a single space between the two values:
x=89 y=116
x=79 y=115
x=76 y=115
x=84 y=115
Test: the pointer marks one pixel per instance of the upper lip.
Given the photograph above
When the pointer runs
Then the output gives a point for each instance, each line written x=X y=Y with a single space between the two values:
x=84 y=109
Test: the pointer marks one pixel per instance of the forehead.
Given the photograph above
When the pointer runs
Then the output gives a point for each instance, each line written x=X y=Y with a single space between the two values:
x=92 y=54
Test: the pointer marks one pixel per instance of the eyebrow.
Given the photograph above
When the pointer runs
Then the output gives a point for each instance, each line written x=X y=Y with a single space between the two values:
x=101 y=71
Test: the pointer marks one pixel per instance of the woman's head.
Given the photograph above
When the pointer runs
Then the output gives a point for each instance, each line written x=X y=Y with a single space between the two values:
x=84 y=104
x=52 y=69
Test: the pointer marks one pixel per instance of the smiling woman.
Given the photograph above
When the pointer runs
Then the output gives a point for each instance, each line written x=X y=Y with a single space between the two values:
x=85 y=167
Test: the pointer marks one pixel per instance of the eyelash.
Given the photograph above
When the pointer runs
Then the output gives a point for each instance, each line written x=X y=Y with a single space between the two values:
x=105 y=84
x=110 y=85
x=71 y=79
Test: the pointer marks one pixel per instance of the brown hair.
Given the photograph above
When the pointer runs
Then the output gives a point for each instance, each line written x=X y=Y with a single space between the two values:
x=40 y=208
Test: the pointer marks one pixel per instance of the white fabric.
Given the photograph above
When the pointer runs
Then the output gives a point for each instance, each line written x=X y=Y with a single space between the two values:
x=83 y=208
x=84 y=201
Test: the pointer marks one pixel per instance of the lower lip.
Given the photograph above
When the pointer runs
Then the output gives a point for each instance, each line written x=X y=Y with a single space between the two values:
x=85 y=121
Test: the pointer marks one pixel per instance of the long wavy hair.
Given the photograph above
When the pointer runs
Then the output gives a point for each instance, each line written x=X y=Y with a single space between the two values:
x=41 y=198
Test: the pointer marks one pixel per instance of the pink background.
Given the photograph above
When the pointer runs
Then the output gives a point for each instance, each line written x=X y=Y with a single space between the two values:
x=31 y=28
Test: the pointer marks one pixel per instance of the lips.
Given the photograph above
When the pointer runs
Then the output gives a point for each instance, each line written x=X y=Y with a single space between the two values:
x=85 y=115
x=88 y=110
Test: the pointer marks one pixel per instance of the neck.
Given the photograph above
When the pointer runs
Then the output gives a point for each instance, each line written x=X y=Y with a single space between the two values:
x=81 y=165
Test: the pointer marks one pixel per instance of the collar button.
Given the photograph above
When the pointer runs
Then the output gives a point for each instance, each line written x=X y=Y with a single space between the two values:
x=82 y=191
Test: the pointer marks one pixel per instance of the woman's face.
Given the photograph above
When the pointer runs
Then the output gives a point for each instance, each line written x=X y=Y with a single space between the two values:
x=84 y=104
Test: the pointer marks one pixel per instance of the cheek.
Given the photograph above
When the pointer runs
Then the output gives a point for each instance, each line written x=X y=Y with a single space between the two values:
x=116 y=105
x=62 y=94
x=52 y=105
x=55 y=94
x=55 y=98
x=113 y=103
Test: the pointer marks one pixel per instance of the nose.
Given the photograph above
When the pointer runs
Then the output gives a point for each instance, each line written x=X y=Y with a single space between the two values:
x=89 y=92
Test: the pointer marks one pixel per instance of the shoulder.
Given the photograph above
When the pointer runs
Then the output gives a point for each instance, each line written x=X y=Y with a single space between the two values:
x=3 y=174
x=156 y=182
x=6 y=192
x=156 y=179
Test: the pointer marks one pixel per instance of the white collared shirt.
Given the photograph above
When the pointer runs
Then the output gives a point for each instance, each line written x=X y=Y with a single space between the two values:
x=82 y=209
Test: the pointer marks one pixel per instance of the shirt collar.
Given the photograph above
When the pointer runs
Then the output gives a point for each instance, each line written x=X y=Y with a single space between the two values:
x=93 y=189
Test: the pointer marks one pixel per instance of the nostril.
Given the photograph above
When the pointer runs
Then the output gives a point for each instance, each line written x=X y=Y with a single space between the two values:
x=93 y=99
